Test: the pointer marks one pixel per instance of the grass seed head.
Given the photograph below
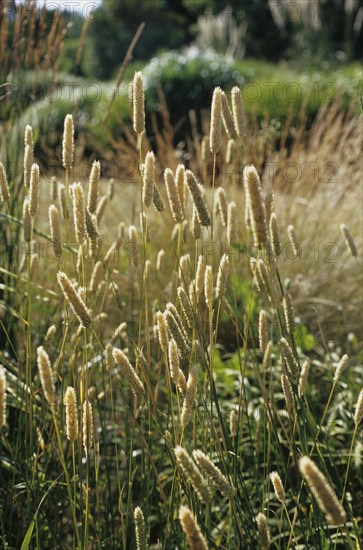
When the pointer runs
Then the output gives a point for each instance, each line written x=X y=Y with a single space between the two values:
x=74 y=300
x=94 y=185
x=148 y=179
x=4 y=187
x=227 y=118
x=263 y=531
x=237 y=110
x=34 y=190
x=349 y=241
x=196 y=192
x=216 y=121
x=68 y=142
x=278 y=487
x=87 y=427
x=70 y=401
x=46 y=375
x=138 y=103
x=55 y=230
x=193 y=534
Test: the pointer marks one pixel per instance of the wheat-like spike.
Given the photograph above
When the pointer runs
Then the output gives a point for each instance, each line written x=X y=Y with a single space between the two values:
x=289 y=313
x=196 y=192
x=263 y=330
x=110 y=362
x=4 y=187
x=256 y=205
x=129 y=372
x=148 y=179
x=289 y=358
x=208 y=286
x=180 y=185
x=68 y=142
x=227 y=118
x=278 y=486
x=2 y=397
x=70 y=401
x=358 y=413
x=267 y=355
x=216 y=121
x=87 y=427
x=79 y=213
x=28 y=136
x=138 y=103
x=192 y=473
x=222 y=205
x=28 y=162
x=112 y=255
x=199 y=275
x=46 y=375
x=286 y=388
x=222 y=277
x=27 y=222
x=134 y=244
x=196 y=227
x=34 y=190
x=237 y=110
x=231 y=224
x=94 y=186
x=349 y=239
x=193 y=534
x=262 y=275
x=303 y=378
x=190 y=395
x=51 y=332
x=140 y=531
x=162 y=331
x=55 y=230
x=160 y=260
x=157 y=200
x=231 y=151
x=269 y=205
x=209 y=468
x=263 y=531
x=91 y=225
x=176 y=373
x=77 y=304
x=274 y=235
x=186 y=306
x=293 y=240
x=184 y=269
x=62 y=201
x=174 y=202
x=322 y=491
x=233 y=423
x=175 y=331
x=340 y=368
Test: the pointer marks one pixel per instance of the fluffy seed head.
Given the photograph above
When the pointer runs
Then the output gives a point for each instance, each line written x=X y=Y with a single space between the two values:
x=231 y=151
x=222 y=206
x=186 y=306
x=322 y=491
x=79 y=213
x=4 y=187
x=157 y=200
x=216 y=121
x=303 y=378
x=341 y=367
x=267 y=355
x=2 y=397
x=176 y=373
x=293 y=240
x=190 y=395
x=208 y=286
x=227 y=118
x=62 y=200
x=231 y=224
x=134 y=245
x=129 y=372
x=174 y=202
x=263 y=330
x=27 y=222
x=28 y=162
x=274 y=235
x=162 y=331
x=233 y=423
x=68 y=142
x=93 y=188
x=196 y=192
x=349 y=241
x=180 y=185
x=196 y=540
x=87 y=427
x=358 y=414
x=289 y=358
x=51 y=332
x=138 y=103
x=176 y=331
x=237 y=109
x=192 y=474
x=70 y=401
x=34 y=190
x=286 y=388
x=46 y=375
x=140 y=532
x=148 y=179
x=160 y=260
x=214 y=473
x=74 y=300
x=28 y=136
x=199 y=275
x=196 y=226
x=55 y=230
x=289 y=313
x=263 y=531
x=256 y=205
x=278 y=487
x=222 y=277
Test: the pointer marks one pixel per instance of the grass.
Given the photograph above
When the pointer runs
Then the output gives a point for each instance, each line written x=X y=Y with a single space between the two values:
x=62 y=497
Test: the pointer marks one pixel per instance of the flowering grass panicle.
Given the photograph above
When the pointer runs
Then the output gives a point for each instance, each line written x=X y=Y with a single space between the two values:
x=214 y=473
x=287 y=391
x=55 y=230
x=231 y=224
x=199 y=275
x=176 y=331
x=140 y=531
x=208 y=286
x=196 y=227
x=293 y=240
x=76 y=303
x=176 y=373
x=263 y=531
x=233 y=423
x=322 y=491
x=181 y=185
x=186 y=306
x=190 y=396
x=79 y=213
x=274 y=235
x=196 y=192
x=46 y=375
x=278 y=487
x=70 y=402
x=358 y=413
x=162 y=331
x=138 y=103
x=193 y=534
x=303 y=378
x=148 y=179
x=134 y=255
x=68 y=142
x=289 y=358
x=216 y=121
x=256 y=205
x=87 y=420
x=349 y=240
x=28 y=162
x=222 y=205
x=129 y=372
x=263 y=330
x=34 y=191
x=289 y=313
x=160 y=259
x=227 y=118
x=173 y=196
x=27 y=222
x=28 y=135
x=94 y=186
x=342 y=365
x=222 y=277
x=157 y=200
x=237 y=110
x=192 y=474
x=4 y=187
